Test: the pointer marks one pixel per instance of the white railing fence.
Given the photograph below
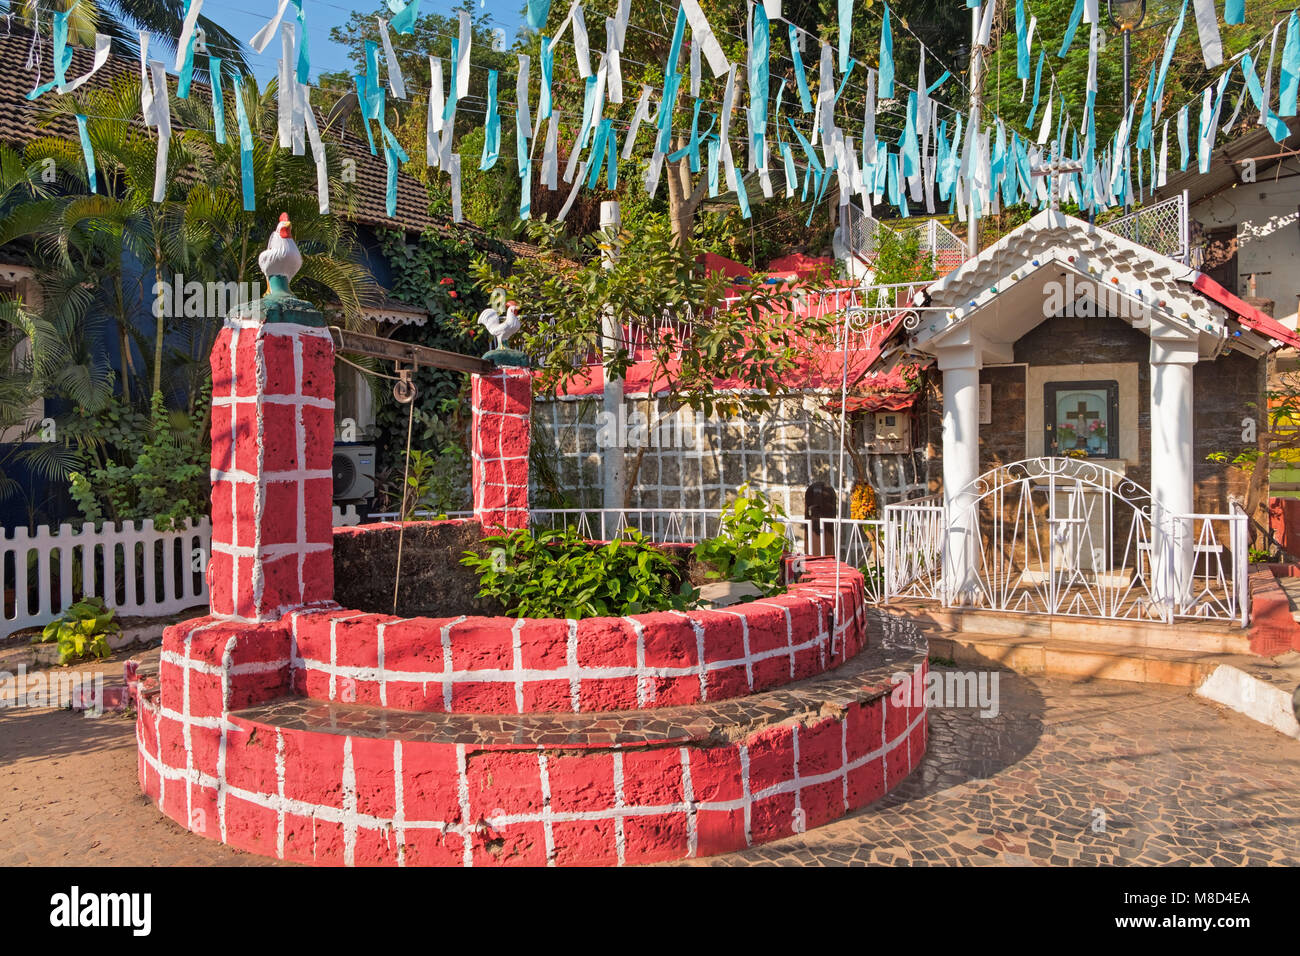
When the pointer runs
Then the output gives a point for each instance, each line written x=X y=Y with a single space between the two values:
x=138 y=570
x=1190 y=566
x=135 y=568
x=859 y=544
x=862 y=233
x=1163 y=226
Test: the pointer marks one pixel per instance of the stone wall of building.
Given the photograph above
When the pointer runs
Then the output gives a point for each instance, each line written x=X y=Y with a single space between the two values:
x=698 y=463
x=1226 y=391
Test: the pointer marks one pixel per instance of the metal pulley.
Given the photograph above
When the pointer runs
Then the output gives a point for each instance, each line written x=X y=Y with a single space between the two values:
x=404 y=388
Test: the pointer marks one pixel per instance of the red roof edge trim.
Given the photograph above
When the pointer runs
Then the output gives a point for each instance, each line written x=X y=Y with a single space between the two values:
x=1249 y=316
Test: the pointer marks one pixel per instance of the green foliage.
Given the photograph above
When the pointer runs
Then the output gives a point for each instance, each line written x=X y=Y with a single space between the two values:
x=1259 y=555
x=436 y=482
x=750 y=544
x=899 y=258
x=729 y=234
x=754 y=337
x=557 y=573
x=151 y=466
x=433 y=273
x=82 y=631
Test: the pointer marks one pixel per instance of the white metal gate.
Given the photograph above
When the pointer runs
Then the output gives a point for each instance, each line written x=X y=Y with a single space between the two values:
x=1068 y=536
x=1057 y=536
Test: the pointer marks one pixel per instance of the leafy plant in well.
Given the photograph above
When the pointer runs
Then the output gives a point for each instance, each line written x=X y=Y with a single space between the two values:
x=750 y=544
x=82 y=631
x=556 y=573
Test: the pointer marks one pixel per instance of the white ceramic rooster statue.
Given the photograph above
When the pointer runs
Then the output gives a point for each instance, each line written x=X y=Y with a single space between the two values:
x=281 y=257
x=500 y=328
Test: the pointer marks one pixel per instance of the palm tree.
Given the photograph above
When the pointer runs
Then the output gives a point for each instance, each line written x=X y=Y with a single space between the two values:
x=88 y=240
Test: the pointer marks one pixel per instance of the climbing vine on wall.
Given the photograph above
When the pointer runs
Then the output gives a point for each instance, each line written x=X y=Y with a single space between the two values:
x=431 y=272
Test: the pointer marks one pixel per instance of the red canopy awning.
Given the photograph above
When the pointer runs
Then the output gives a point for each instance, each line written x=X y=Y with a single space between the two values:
x=1249 y=316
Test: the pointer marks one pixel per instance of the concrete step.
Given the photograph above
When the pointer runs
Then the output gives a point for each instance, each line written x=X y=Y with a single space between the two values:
x=1209 y=637
x=1265 y=689
x=1080 y=660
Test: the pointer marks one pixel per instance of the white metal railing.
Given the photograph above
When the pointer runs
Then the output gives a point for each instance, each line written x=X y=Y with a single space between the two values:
x=137 y=569
x=1071 y=537
x=858 y=543
x=1163 y=226
x=863 y=238
x=1203 y=573
x=915 y=533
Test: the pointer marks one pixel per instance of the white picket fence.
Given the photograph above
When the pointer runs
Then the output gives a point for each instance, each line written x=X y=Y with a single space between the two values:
x=136 y=568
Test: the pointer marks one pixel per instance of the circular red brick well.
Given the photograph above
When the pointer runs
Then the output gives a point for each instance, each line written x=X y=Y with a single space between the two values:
x=444 y=735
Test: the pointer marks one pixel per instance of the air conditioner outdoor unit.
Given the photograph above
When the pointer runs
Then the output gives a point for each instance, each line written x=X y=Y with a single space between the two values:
x=893 y=433
x=354 y=472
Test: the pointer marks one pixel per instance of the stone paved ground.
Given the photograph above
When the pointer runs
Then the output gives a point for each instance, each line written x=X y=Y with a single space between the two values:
x=1172 y=778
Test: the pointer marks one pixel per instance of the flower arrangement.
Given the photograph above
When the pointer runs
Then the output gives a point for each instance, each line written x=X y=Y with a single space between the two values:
x=1097 y=429
x=1066 y=435
x=863 y=505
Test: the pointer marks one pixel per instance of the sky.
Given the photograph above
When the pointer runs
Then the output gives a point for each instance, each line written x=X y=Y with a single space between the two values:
x=240 y=18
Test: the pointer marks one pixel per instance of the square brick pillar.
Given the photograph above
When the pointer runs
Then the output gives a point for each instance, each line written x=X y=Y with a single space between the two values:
x=502 y=426
x=272 y=480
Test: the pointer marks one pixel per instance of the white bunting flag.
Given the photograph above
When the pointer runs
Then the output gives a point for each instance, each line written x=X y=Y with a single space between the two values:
x=1207 y=28
x=103 y=49
x=573 y=193
x=524 y=112
x=187 y=32
x=614 y=79
x=1161 y=175
x=620 y=23
x=395 y=81
x=869 y=120
x=263 y=38
x=462 y=54
x=581 y=46
x=163 y=121
x=454 y=167
x=550 y=155
x=318 y=154
x=702 y=34
x=436 y=105
x=1045 y=130
x=642 y=113
x=695 y=69
x=146 y=85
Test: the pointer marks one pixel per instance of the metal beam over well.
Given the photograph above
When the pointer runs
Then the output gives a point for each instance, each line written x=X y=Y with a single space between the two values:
x=414 y=355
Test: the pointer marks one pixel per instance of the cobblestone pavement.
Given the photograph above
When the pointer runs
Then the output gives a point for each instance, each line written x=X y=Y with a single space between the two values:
x=1091 y=773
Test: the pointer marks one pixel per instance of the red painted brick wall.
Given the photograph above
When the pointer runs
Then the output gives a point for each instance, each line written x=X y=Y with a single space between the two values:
x=502 y=410
x=272 y=484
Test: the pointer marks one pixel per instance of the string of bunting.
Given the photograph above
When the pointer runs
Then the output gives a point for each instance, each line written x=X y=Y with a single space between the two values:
x=934 y=163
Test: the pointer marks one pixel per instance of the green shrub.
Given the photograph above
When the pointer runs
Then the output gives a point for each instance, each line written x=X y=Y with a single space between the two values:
x=157 y=467
x=750 y=544
x=559 y=574
x=82 y=631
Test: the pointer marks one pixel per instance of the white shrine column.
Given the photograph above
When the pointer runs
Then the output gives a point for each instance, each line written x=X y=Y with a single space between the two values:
x=961 y=459
x=1174 y=355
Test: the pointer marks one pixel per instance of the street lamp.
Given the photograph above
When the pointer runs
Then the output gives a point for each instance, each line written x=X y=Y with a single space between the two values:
x=1126 y=16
